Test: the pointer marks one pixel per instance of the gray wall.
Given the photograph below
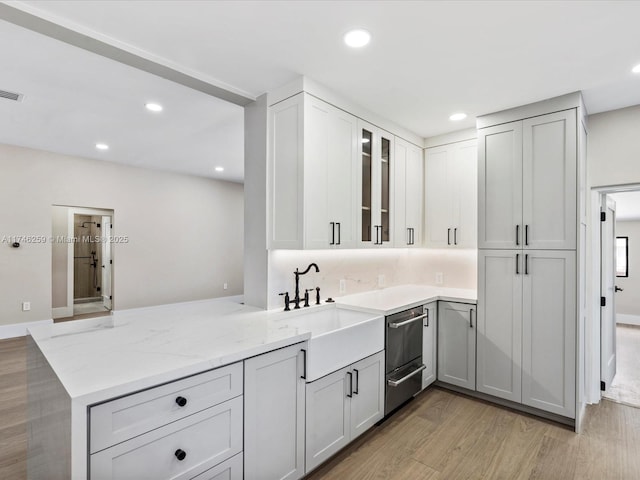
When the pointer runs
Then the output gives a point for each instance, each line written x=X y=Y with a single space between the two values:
x=185 y=233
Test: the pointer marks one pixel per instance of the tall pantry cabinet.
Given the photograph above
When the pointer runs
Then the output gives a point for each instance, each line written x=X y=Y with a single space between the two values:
x=529 y=167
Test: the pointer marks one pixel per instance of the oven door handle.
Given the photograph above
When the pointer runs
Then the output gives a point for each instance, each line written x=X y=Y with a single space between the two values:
x=407 y=322
x=395 y=383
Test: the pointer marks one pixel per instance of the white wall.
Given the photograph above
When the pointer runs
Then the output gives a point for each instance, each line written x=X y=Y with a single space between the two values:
x=360 y=269
x=628 y=301
x=185 y=233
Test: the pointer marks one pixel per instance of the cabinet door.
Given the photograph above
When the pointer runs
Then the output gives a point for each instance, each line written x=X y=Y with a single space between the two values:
x=429 y=339
x=231 y=469
x=499 y=335
x=550 y=181
x=457 y=344
x=330 y=139
x=274 y=415
x=367 y=401
x=437 y=197
x=549 y=331
x=328 y=417
x=500 y=186
x=465 y=189
x=407 y=211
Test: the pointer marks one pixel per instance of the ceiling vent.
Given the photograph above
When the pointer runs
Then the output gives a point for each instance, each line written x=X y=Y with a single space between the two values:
x=16 y=97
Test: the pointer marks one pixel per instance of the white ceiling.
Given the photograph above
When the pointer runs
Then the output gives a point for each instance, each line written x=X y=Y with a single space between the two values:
x=627 y=206
x=426 y=59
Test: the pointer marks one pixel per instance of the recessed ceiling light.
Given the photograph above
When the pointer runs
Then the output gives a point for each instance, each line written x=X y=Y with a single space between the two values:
x=457 y=116
x=636 y=69
x=153 y=107
x=102 y=146
x=219 y=169
x=357 y=38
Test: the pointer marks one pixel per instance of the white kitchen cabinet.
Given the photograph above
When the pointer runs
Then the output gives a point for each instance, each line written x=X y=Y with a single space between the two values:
x=499 y=335
x=527 y=326
x=408 y=177
x=274 y=395
x=429 y=344
x=457 y=344
x=231 y=469
x=341 y=406
x=375 y=187
x=527 y=182
x=450 y=195
x=313 y=175
x=549 y=331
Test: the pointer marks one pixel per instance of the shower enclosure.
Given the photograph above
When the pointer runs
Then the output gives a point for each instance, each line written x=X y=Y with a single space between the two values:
x=87 y=259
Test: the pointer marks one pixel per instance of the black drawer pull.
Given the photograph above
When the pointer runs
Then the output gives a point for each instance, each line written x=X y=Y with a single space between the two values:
x=180 y=454
x=181 y=401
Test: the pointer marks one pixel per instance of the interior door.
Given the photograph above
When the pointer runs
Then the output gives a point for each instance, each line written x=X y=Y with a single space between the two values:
x=608 y=310
x=107 y=263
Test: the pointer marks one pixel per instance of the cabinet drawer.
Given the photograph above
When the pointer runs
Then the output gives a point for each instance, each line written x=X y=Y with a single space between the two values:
x=206 y=438
x=127 y=417
x=231 y=469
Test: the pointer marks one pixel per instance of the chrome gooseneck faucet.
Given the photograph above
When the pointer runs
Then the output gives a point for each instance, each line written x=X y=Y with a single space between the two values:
x=297 y=273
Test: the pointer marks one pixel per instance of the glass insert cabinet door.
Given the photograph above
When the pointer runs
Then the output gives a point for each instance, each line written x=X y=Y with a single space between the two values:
x=376 y=150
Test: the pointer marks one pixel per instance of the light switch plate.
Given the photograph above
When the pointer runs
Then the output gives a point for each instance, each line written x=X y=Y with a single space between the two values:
x=439 y=278
x=26 y=306
x=343 y=286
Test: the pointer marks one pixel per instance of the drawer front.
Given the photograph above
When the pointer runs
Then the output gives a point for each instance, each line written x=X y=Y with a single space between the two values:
x=206 y=438
x=127 y=417
x=231 y=469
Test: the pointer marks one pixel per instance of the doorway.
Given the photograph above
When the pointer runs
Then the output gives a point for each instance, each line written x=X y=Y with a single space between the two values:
x=620 y=296
x=82 y=267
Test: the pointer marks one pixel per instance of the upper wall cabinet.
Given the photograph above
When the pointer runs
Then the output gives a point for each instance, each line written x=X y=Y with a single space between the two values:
x=408 y=173
x=451 y=203
x=375 y=186
x=527 y=183
x=313 y=175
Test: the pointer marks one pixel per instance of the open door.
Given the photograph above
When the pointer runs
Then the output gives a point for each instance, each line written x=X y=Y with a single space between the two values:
x=607 y=300
x=107 y=263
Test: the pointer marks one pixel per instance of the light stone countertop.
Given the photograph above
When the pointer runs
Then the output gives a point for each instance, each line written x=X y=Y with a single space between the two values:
x=102 y=358
x=392 y=300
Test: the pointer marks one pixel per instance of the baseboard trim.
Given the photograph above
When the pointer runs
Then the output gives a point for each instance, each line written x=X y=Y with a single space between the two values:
x=627 y=319
x=20 y=329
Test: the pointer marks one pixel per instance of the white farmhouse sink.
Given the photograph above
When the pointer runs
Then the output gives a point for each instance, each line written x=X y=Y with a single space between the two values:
x=339 y=337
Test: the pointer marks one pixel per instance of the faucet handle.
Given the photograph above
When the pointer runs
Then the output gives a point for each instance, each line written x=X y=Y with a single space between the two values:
x=306 y=296
x=286 y=301
x=317 y=295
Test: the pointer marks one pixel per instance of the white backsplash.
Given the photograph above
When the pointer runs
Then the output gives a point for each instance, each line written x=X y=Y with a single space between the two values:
x=361 y=270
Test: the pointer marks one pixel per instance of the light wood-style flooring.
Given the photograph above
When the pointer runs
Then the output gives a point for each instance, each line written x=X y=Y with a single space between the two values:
x=625 y=387
x=440 y=435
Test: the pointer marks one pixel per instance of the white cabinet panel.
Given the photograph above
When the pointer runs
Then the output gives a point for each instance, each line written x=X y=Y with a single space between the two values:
x=367 y=401
x=429 y=345
x=550 y=181
x=500 y=186
x=457 y=344
x=451 y=195
x=231 y=469
x=274 y=418
x=205 y=438
x=408 y=176
x=328 y=417
x=549 y=331
x=499 y=336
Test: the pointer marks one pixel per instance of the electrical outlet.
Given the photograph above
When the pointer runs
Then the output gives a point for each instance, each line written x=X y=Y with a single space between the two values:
x=225 y=285
x=439 y=278
x=26 y=306
x=343 y=286
x=381 y=280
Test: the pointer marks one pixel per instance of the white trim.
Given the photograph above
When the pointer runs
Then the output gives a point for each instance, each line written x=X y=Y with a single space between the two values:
x=453 y=137
x=627 y=319
x=62 y=312
x=20 y=329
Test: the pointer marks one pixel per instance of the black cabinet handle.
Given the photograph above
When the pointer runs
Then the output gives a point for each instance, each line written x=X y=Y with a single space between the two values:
x=526 y=264
x=355 y=391
x=517 y=235
x=180 y=454
x=408 y=236
x=339 y=235
x=471 y=318
x=448 y=236
x=333 y=233
x=427 y=318
x=517 y=264
x=181 y=401
x=350 y=394
x=455 y=236
x=526 y=235
x=304 y=364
